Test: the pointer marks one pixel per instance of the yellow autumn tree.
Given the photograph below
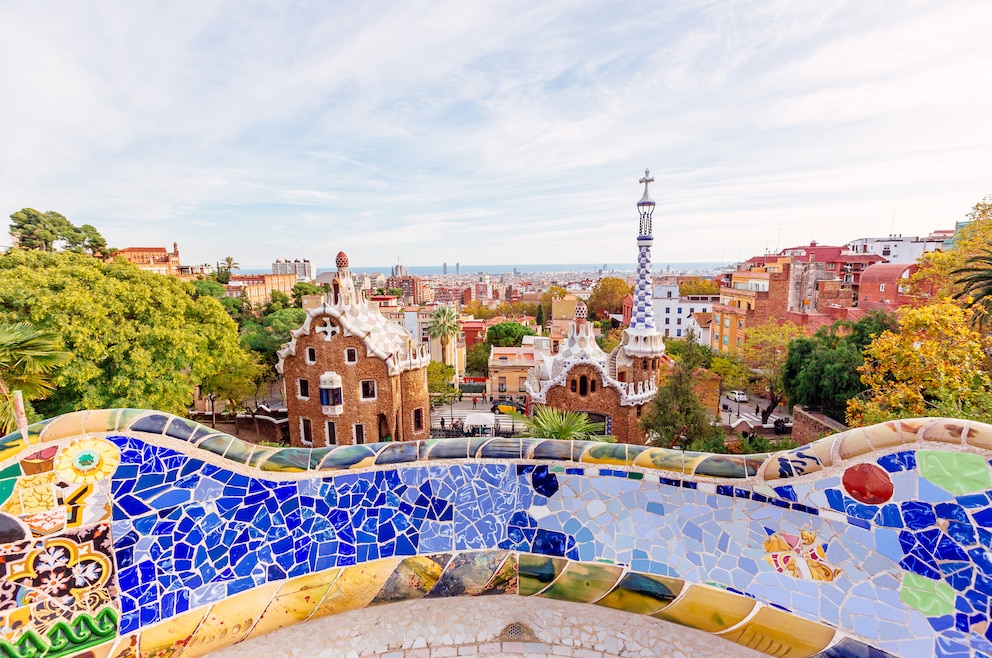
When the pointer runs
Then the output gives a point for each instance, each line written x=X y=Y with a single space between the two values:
x=764 y=354
x=934 y=365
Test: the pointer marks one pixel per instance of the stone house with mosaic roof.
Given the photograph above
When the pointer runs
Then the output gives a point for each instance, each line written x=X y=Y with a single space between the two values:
x=612 y=388
x=351 y=375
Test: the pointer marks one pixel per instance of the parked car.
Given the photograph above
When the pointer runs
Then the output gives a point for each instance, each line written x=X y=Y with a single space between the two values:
x=737 y=396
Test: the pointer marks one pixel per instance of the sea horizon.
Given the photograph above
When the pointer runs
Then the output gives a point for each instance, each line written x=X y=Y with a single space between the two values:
x=538 y=268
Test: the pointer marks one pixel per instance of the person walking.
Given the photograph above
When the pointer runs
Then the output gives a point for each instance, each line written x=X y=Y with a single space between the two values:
x=475 y=401
x=442 y=423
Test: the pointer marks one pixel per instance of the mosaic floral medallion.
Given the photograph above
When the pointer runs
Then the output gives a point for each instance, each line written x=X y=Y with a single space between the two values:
x=87 y=460
x=801 y=556
x=868 y=484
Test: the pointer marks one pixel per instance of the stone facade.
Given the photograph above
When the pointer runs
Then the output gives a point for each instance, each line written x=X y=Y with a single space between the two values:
x=601 y=402
x=352 y=376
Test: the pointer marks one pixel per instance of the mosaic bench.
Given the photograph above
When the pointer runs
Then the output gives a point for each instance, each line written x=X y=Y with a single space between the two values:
x=128 y=532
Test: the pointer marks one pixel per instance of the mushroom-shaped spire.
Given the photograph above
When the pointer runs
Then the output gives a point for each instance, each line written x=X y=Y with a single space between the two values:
x=581 y=312
x=341 y=261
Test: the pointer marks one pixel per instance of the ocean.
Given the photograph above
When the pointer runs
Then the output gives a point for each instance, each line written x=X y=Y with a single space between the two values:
x=540 y=268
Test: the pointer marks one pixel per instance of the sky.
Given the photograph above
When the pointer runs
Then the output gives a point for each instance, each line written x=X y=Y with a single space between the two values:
x=494 y=132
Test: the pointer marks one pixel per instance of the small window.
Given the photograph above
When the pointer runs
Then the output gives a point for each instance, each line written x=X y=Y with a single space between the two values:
x=351 y=355
x=678 y=333
x=311 y=355
x=644 y=364
x=502 y=384
x=881 y=287
x=418 y=420
x=726 y=323
x=638 y=412
x=668 y=309
x=368 y=389
x=306 y=432
x=332 y=433
x=359 y=433
x=678 y=321
x=592 y=385
x=679 y=310
x=583 y=385
x=303 y=389
x=522 y=385
x=575 y=386
x=667 y=320
x=692 y=309
x=666 y=332
x=726 y=340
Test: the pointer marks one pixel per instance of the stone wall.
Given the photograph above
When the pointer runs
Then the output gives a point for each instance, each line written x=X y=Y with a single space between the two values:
x=808 y=426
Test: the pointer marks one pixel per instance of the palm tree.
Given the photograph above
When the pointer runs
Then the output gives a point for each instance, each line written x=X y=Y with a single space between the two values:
x=230 y=264
x=27 y=358
x=554 y=423
x=444 y=326
x=976 y=277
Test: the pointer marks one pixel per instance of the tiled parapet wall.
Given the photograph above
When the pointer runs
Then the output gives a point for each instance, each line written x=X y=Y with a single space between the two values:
x=127 y=532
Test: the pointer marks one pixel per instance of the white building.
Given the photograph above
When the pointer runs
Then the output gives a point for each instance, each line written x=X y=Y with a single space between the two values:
x=672 y=312
x=303 y=269
x=898 y=248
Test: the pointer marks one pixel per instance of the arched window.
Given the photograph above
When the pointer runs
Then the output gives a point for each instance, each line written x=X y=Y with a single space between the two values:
x=592 y=385
x=573 y=386
x=583 y=385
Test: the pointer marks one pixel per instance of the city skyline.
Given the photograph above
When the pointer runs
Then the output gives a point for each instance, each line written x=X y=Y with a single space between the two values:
x=500 y=133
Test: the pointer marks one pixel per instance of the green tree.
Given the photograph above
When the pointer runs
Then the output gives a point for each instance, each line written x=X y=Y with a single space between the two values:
x=39 y=230
x=609 y=340
x=230 y=264
x=234 y=384
x=139 y=339
x=28 y=358
x=554 y=423
x=266 y=337
x=304 y=288
x=209 y=288
x=477 y=360
x=507 y=334
x=934 y=365
x=764 y=353
x=444 y=326
x=822 y=371
x=439 y=387
x=676 y=410
x=607 y=296
x=540 y=321
x=936 y=277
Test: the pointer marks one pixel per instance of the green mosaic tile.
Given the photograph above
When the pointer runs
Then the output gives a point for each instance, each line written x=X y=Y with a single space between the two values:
x=635 y=476
x=931 y=597
x=557 y=469
x=957 y=472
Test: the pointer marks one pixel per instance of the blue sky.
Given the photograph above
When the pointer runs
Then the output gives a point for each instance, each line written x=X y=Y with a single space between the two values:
x=485 y=132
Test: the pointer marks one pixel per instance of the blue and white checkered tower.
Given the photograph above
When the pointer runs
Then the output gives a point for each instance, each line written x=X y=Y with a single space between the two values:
x=643 y=315
x=643 y=339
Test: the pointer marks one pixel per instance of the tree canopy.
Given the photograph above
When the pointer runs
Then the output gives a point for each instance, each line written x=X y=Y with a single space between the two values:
x=698 y=286
x=934 y=365
x=51 y=231
x=268 y=335
x=444 y=326
x=677 y=411
x=765 y=353
x=821 y=371
x=139 y=339
x=607 y=296
x=507 y=334
x=439 y=387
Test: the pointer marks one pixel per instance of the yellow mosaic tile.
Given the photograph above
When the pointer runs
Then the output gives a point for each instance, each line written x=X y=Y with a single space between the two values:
x=661 y=459
x=169 y=638
x=13 y=447
x=707 y=608
x=535 y=573
x=945 y=430
x=584 y=583
x=887 y=435
x=980 y=435
x=356 y=587
x=642 y=594
x=856 y=443
x=413 y=578
x=125 y=647
x=295 y=601
x=102 y=420
x=779 y=633
x=229 y=620
x=605 y=453
x=33 y=494
x=70 y=424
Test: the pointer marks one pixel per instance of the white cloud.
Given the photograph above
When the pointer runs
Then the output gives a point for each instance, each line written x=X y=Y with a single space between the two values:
x=504 y=132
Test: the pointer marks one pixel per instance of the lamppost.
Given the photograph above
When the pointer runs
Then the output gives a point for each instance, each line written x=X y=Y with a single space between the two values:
x=738 y=407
